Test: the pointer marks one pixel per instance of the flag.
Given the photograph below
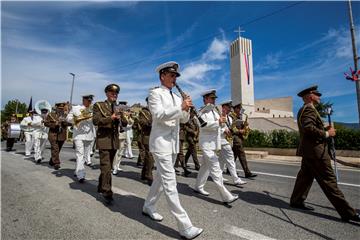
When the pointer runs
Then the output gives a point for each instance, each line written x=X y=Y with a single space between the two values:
x=30 y=105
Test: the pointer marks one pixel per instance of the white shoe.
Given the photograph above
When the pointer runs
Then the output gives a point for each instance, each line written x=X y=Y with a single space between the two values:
x=120 y=169
x=114 y=172
x=153 y=215
x=201 y=191
x=191 y=232
x=239 y=182
x=233 y=199
x=225 y=180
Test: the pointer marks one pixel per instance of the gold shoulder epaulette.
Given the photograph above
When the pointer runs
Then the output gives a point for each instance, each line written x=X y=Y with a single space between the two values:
x=100 y=108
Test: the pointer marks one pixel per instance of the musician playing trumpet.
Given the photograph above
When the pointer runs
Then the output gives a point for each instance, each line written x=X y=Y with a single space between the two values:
x=210 y=144
x=26 y=126
x=57 y=124
x=83 y=134
x=226 y=156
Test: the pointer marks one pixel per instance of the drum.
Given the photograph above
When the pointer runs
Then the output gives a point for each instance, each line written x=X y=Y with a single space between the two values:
x=14 y=130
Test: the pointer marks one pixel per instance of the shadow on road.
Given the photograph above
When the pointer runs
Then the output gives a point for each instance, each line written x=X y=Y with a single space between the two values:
x=129 y=206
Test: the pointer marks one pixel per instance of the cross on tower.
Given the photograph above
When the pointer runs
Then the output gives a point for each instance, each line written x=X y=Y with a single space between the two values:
x=239 y=31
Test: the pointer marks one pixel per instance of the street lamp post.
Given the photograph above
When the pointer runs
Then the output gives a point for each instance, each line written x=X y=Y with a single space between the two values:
x=72 y=87
x=356 y=58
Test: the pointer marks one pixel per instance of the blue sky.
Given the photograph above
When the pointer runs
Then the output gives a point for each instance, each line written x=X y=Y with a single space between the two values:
x=123 y=42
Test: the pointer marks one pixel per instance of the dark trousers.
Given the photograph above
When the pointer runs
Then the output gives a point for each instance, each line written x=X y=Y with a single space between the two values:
x=240 y=153
x=141 y=157
x=106 y=161
x=10 y=143
x=180 y=156
x=192 y=151
x=146 y=172
x=55 y=151
x=321 y=170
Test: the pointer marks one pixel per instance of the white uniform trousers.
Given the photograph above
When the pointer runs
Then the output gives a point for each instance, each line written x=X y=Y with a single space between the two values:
x=226 y=157
x=128 y=150
x=211 y=166
x=39 y=146
x=29 y=142
x=82 y=149
x=165 y=181
x=119 y=154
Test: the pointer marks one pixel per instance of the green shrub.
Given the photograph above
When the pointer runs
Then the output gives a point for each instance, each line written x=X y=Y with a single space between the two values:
x=346 y=139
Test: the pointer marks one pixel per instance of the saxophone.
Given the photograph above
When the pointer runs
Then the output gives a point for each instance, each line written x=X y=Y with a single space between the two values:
x=228 y=137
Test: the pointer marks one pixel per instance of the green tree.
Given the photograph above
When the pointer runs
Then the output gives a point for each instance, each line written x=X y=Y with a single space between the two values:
x=322 y=108
x=10 y=108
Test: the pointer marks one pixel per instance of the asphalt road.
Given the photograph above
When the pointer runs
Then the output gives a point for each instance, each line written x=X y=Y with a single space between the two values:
x=41 y=203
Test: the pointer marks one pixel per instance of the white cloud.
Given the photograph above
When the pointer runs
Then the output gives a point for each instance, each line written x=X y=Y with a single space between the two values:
x=198 y=75
x=217 y=50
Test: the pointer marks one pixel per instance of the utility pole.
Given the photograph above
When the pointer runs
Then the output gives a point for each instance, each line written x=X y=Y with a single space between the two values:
x=72 y=88
x=356 y=58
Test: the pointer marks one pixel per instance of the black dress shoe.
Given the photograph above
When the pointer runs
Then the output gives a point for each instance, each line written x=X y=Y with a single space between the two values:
x=251 y=175
x=302 y=207
x=57 y=167
x=38 y=161
x=82 y=180
x=197 y=168
x=355 y=218
x=51 y=163
x=149 y=182
x=108 y=199
x=186 y=172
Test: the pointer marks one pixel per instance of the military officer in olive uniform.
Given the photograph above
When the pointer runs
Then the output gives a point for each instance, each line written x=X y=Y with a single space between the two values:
x=180 y=156
x=57 y=124
x=316 y=163
x=107 y=118
x=238 y=138
x=141 y=155
x=192 y=137
x=145 y=122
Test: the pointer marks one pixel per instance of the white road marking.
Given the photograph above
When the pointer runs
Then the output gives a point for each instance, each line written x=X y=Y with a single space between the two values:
x=292 y=177
x=243 y=233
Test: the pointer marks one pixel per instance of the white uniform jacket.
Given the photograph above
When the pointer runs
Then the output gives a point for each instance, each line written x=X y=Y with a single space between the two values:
x=40 y=131
x=210 y=135
x=24 y=124
x=223 y=128
x=85 y=129
x=166 y=115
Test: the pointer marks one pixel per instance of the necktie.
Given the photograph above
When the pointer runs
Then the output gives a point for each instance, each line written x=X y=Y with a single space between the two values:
x=112 y=107
x=172 y=97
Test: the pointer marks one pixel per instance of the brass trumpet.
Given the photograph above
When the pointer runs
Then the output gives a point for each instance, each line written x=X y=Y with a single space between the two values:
x=85 y=114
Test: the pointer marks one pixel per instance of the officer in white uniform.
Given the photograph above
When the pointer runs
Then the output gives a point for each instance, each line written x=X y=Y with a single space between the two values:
x=210 y=143
x=83 y=133
x=167 y=110
x=122 y=144
x=40 y=134
x=26 y=126
x=226 y=156
x=129 y=137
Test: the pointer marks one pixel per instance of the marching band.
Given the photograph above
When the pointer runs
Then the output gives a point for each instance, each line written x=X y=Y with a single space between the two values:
x=162 y=127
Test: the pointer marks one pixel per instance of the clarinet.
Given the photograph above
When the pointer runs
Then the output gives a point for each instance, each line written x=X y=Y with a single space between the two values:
x=183 y=95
